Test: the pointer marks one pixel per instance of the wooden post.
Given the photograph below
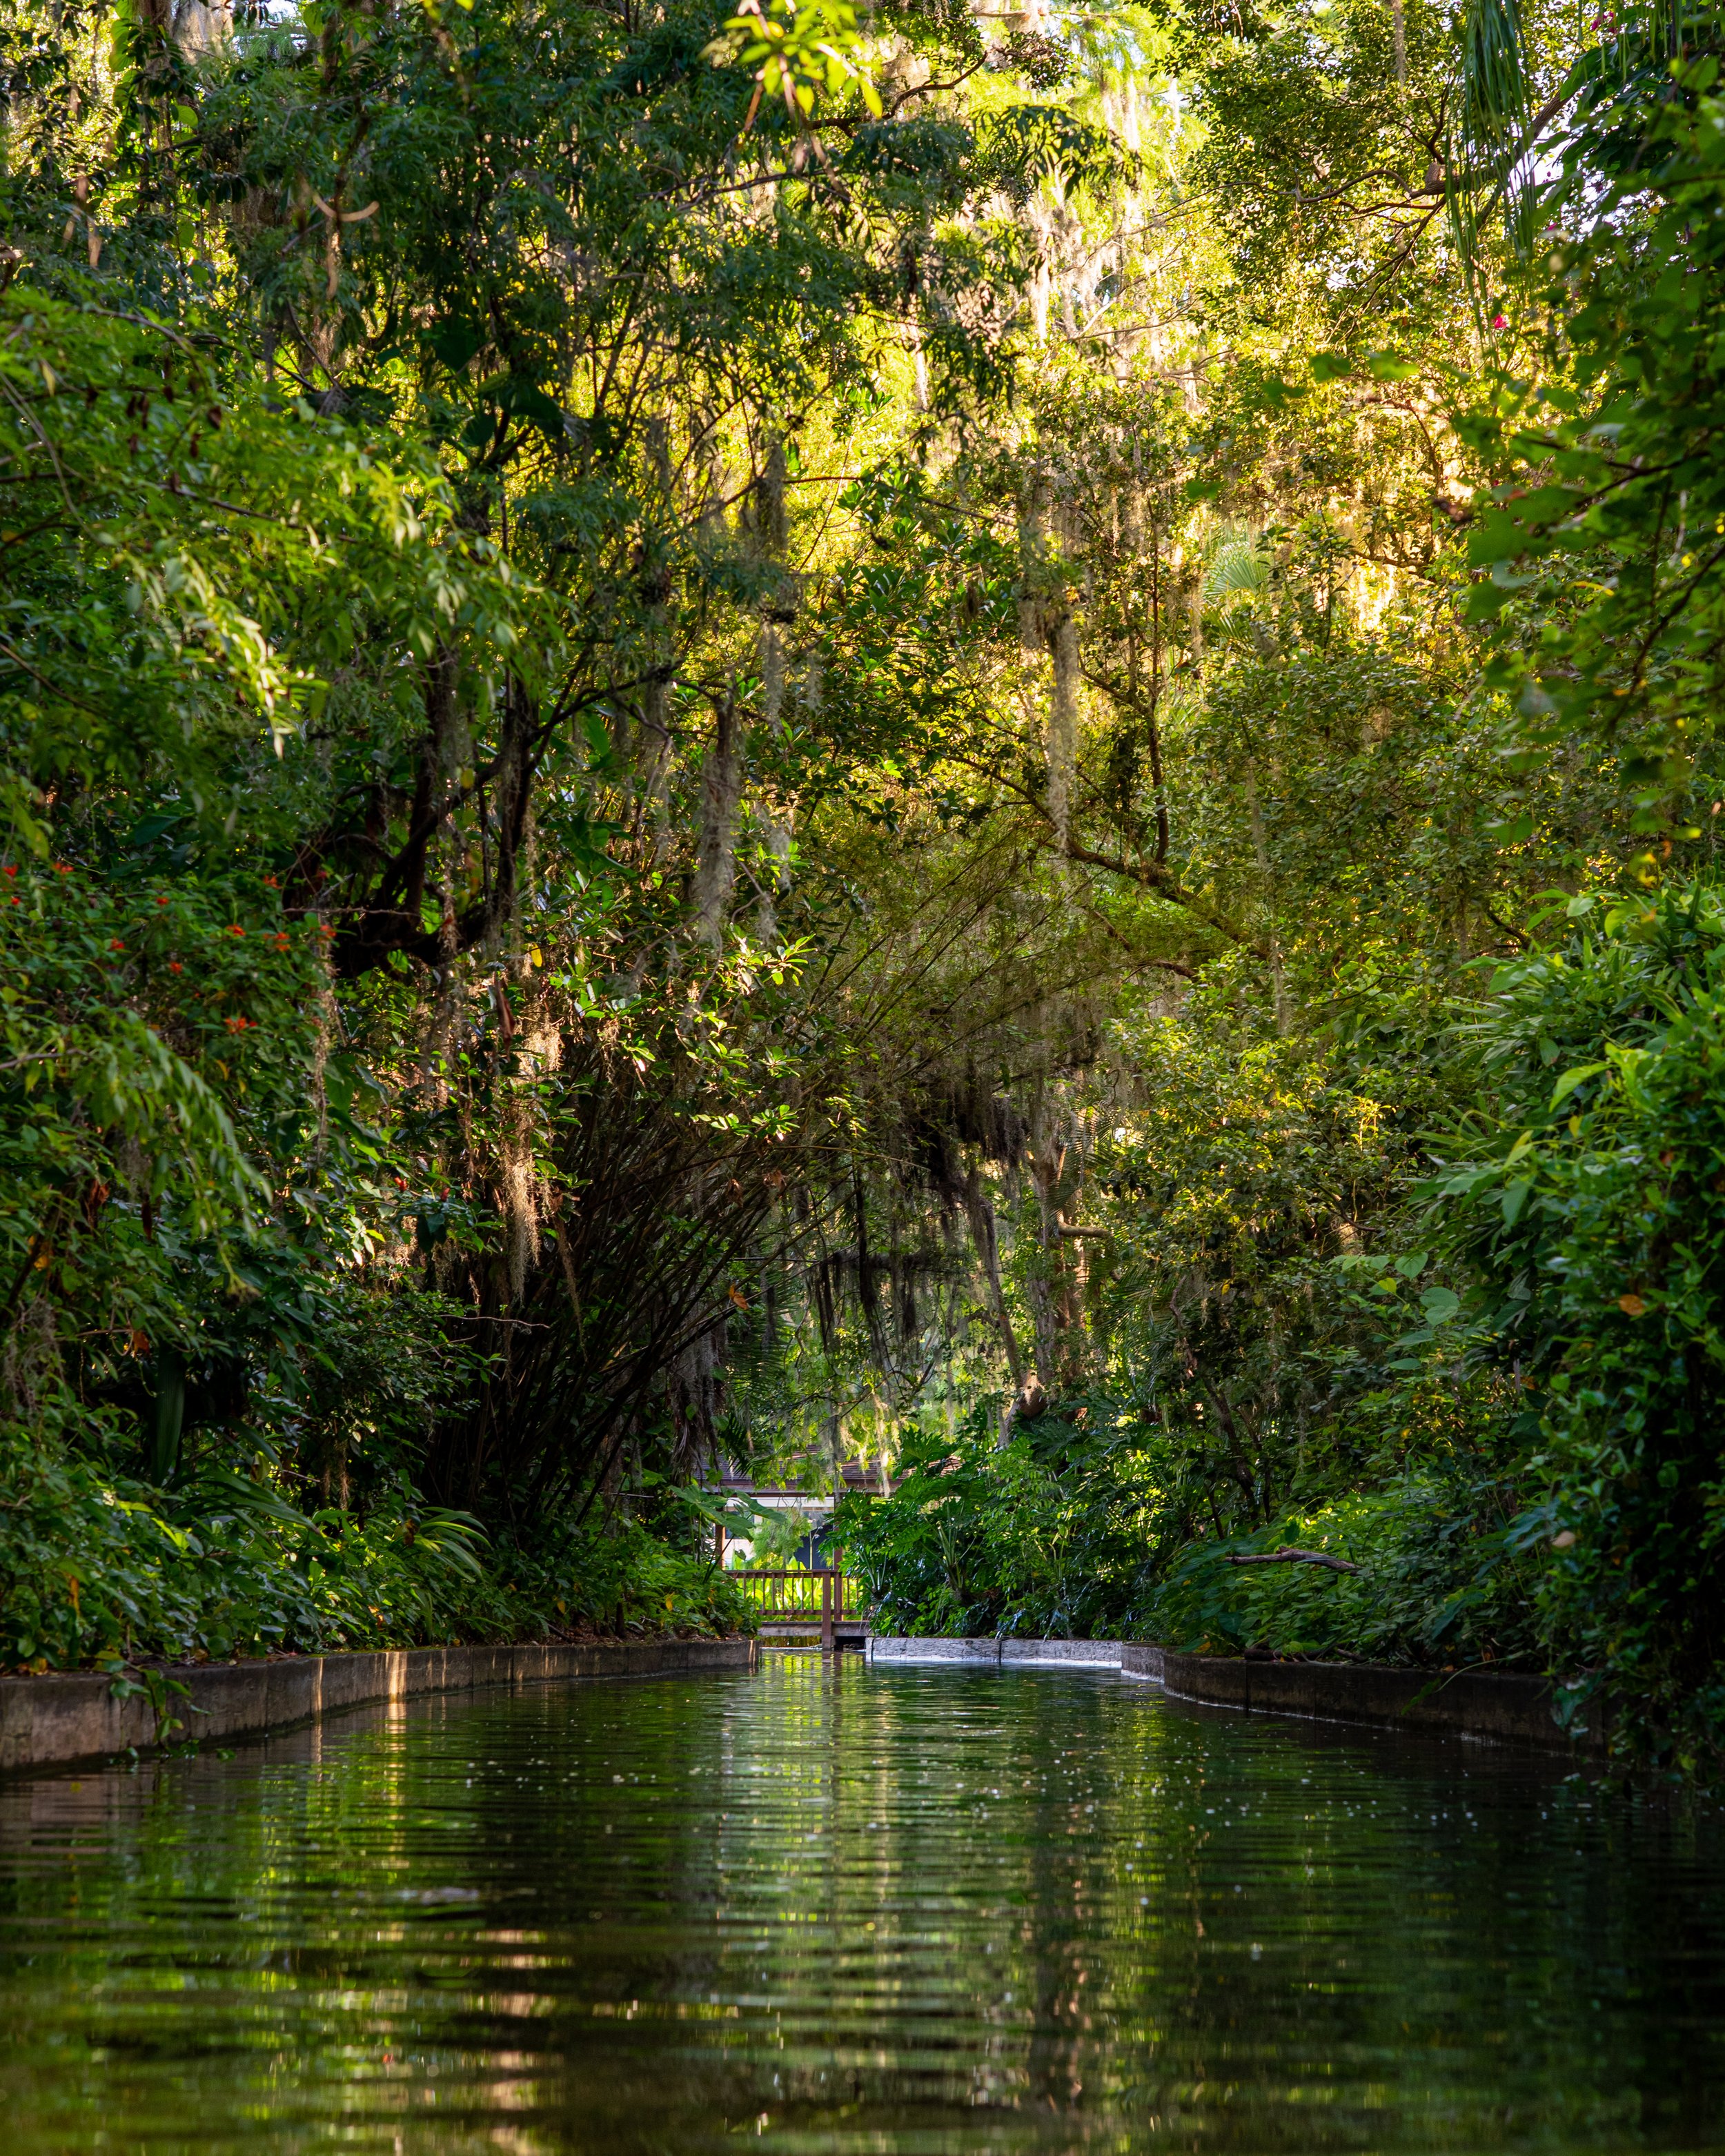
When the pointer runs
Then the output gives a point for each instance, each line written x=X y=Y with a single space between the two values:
x=826 y=1613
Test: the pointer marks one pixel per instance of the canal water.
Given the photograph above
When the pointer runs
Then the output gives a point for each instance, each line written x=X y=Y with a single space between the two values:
x=848 y=1909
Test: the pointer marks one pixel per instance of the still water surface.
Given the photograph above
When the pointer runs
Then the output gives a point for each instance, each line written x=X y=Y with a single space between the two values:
x=853 y=1909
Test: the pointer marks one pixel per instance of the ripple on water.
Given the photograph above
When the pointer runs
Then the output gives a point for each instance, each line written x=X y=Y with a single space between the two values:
x=848 y=1909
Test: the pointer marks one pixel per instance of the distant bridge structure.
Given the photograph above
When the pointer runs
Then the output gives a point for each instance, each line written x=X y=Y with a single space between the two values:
x=814 y=1601
x=799 y=1608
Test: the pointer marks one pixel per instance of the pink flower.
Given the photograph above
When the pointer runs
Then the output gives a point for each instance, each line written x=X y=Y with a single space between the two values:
x=1500 y=321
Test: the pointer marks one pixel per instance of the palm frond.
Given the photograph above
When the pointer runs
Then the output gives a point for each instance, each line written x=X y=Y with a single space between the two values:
x=1488 y=165
x=1237 y=571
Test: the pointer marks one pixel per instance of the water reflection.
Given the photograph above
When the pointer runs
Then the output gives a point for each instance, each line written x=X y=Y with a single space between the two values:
x=849 y=1909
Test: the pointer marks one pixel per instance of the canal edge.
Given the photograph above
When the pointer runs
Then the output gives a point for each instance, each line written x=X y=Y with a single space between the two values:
x=66 y=1718
x=1492 y=1708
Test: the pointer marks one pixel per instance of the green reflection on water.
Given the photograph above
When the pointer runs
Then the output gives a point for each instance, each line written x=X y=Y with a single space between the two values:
x=849 y=1909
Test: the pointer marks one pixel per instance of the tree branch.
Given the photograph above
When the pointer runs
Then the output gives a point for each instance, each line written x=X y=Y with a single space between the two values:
x=1289 y=1555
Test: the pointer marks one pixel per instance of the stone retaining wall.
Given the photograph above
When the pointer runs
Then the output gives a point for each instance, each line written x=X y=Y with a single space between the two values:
x=1504 y=1709
x=64 y=1718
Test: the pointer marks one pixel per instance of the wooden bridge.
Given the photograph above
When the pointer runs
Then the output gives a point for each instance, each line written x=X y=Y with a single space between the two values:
x=806 y=1606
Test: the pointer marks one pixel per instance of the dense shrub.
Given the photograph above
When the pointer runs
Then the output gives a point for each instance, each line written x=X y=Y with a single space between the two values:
x=100 y=1569
x=1442 y=1578
x=1528 y=1466
x=1073 y=1531
x=1048 y=1535
x=1592 y=1215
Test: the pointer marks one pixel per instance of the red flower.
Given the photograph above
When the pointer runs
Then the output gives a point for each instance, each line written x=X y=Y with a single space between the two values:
x=175 y=966
x=270 y=884
x=234 y=928
x=16 y=900
x=161 y=898
x=63 y=868
x=10 y=870
x=114 y=943
x=281 y=940
x=1500 y=321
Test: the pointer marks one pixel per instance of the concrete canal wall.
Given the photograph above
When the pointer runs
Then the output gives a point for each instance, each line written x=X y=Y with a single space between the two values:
x=1069 y=1654
x=1514 y=1710
x=62 y=1718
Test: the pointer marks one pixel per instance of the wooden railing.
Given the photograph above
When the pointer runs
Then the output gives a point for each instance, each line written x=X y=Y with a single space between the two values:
x=803 y=1597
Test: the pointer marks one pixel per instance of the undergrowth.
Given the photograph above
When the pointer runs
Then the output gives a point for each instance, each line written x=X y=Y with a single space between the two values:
x=1075 y=1532
x=98 y=1569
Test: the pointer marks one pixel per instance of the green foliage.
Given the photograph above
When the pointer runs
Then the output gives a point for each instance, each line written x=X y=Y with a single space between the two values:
x=1313 y=128
x=1047 y=1536
x=400 y=418
x=1603 y=536
x=1081 y=1527
x=185 y=563
x=1592 y=1215
x=1228 y=1194
x=105 y=1570
x=796 y=740
x=797 y=51
x=141 y=1015
x=1441 y=1579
